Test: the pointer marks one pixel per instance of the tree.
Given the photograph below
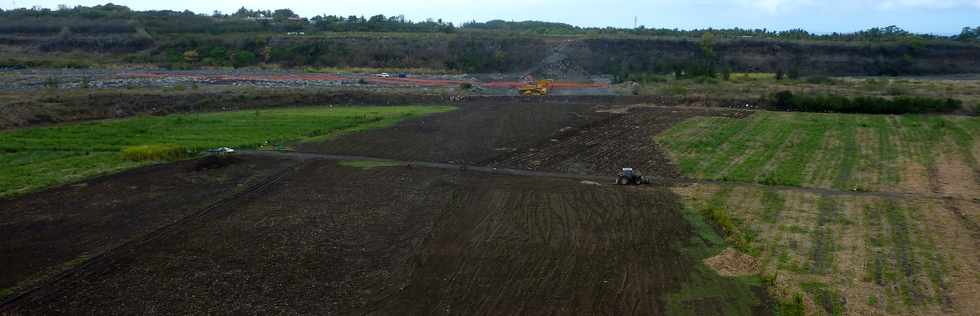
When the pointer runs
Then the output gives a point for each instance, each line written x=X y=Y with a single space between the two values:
x=244 y=13
x=218 y=53
x=969 y=34
x=243 y=58
x=709 y=55
x=282 y=14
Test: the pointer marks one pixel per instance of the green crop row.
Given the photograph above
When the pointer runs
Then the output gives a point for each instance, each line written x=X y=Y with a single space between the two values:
x=35 y=158
x=842 y=151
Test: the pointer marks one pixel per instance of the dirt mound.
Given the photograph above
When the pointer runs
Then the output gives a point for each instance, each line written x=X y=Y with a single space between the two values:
x=731 y=262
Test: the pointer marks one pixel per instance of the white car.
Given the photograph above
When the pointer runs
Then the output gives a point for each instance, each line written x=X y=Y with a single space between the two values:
x=383 y=75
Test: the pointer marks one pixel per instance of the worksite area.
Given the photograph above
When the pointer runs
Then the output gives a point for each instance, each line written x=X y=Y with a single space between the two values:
x=507 y=207
x=263 y=163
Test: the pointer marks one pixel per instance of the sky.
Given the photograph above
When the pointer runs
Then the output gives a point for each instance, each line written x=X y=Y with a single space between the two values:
x=943 y=17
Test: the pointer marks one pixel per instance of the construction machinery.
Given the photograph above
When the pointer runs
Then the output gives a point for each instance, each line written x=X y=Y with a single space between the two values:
x=539 y=87
x=630 y=177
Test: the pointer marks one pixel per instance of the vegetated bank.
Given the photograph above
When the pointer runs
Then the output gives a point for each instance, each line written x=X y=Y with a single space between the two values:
x=39 y=157
x=786 y=100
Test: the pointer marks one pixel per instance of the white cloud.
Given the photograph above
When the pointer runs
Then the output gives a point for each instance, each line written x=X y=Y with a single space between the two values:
x=778 y=6
x=775 y=6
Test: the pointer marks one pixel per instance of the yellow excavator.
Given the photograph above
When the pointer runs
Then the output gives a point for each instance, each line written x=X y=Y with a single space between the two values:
x=539 y=87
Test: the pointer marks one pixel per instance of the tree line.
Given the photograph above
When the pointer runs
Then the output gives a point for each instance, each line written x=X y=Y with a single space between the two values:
x=112 y=18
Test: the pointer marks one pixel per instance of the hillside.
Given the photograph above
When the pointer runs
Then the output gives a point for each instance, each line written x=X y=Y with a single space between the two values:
x=112 y=34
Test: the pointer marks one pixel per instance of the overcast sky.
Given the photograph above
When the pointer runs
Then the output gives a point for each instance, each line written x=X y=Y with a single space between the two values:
x=822 y=16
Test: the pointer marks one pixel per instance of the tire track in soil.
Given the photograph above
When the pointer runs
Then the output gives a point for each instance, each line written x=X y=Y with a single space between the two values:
x=555 y=247
x=950 y=205
x=112 y=259
x=655 y=180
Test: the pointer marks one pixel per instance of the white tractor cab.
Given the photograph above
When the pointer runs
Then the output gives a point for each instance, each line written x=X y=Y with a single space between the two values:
x=221 y=150
x=630 y=177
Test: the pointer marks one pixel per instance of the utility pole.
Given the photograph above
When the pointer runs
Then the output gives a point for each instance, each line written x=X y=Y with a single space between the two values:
x=634 y=21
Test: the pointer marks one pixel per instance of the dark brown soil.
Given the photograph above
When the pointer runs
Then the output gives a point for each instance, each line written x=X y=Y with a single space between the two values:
x=606 y=146
x=555 y=137
x=523 y=246
x=40 y=232
x=474 y=134
x=52 y=107
x=337 y=240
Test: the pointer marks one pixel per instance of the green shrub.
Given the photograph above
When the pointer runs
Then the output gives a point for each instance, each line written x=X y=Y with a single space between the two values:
x=785 y=100
x=243 y=58
x=706 y=80
x=820 y=80
x=795 y=307
x=727 y=227
x=155 y=152
x=794 y=73
x=896 y=90
x=677 y=89
x=640 y=77
x=51 y=82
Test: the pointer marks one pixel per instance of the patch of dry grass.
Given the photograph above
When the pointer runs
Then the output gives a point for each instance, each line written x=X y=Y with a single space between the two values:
x=855 y=254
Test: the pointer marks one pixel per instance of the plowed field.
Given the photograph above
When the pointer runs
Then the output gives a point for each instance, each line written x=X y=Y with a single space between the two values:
x=474 y=134
x=396 y=241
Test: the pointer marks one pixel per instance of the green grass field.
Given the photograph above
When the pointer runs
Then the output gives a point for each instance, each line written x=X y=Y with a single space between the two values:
x=841 y=151
x=36 y=158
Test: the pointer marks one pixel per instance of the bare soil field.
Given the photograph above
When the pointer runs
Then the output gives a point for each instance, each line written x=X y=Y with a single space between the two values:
x=329 y=239
x=578 y=138
x=474 y=134
x=50 y=231
x=624 y=140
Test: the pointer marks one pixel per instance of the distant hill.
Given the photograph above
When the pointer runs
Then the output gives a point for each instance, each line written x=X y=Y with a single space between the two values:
x=34 y=37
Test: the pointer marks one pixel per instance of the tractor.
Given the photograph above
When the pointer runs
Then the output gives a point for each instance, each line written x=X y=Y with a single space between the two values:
x=630 y=177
